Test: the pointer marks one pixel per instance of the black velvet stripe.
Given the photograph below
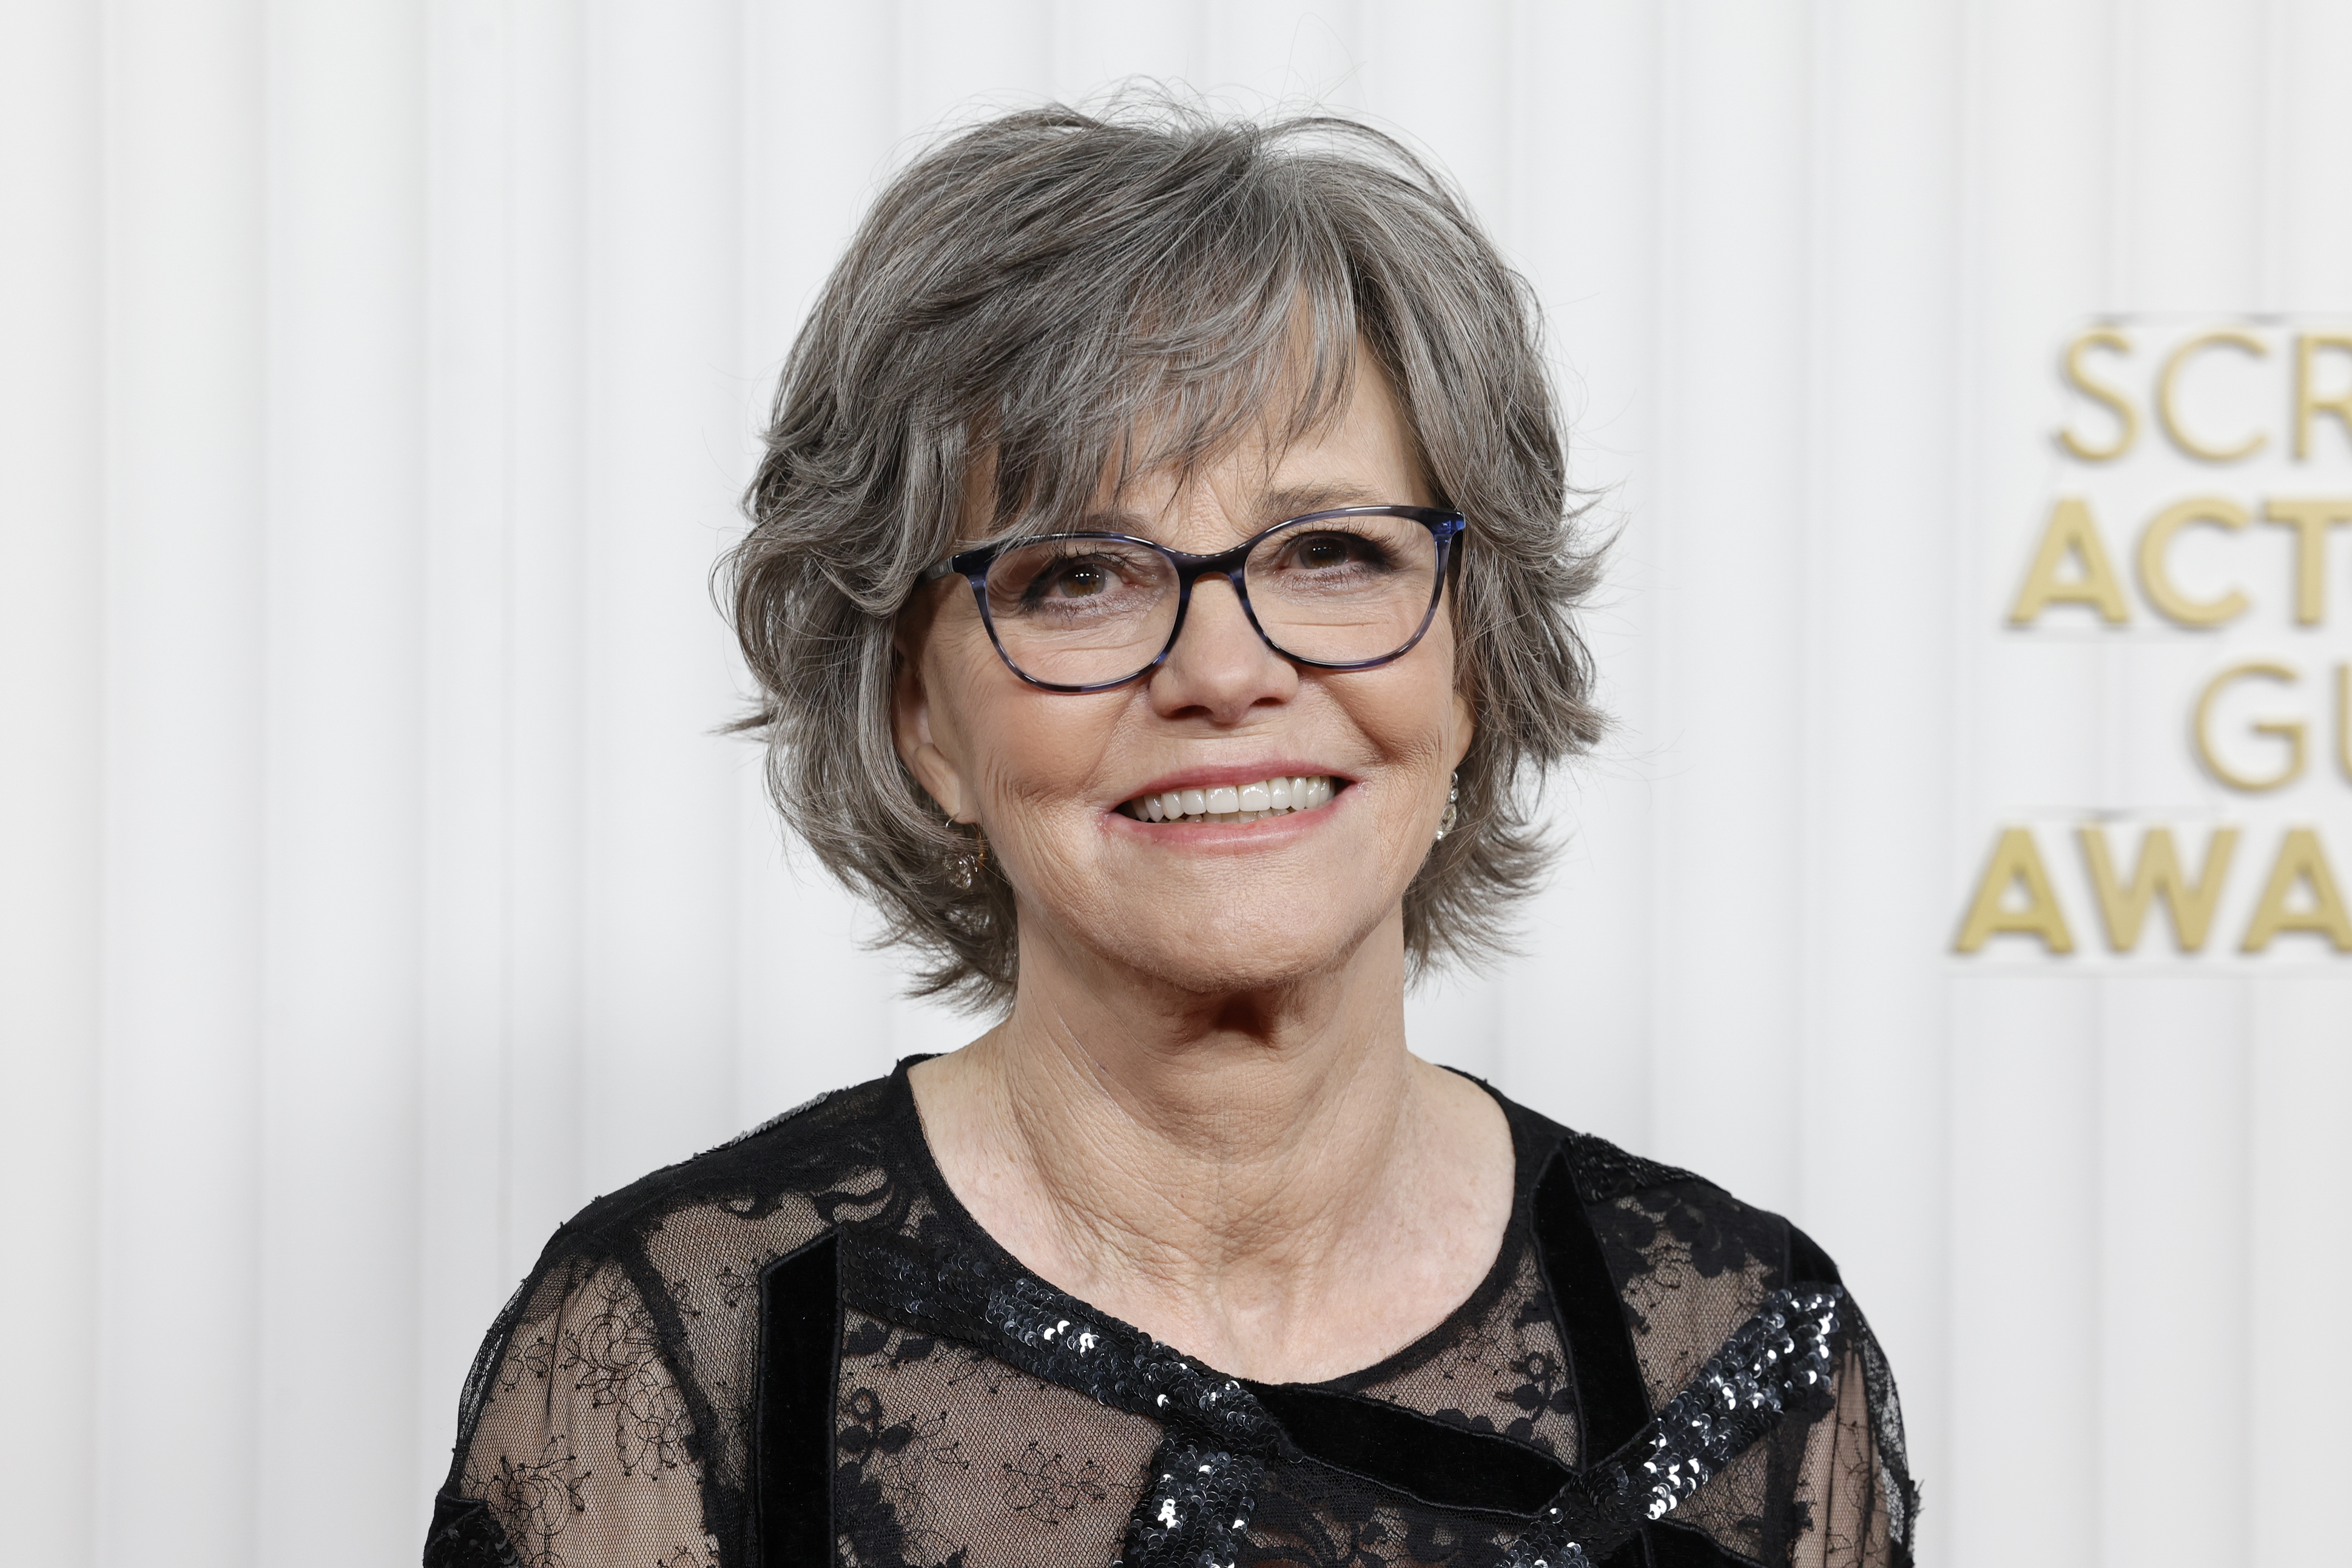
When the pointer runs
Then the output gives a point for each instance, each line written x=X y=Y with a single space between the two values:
x=1634 y=1553
x=1613 y=1403
x=800 y=1340
x=1808 y=1264
x=1685 y=1546
x=1412 y=1453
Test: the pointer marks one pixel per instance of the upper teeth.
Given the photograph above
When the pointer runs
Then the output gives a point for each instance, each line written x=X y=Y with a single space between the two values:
x=1231 y=802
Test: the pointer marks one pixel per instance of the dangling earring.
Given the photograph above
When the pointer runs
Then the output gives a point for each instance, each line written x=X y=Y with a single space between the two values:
x=1452 y=806
x=964 y=861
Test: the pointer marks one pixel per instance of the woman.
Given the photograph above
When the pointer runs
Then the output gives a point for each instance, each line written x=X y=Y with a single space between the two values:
x=1160 y=582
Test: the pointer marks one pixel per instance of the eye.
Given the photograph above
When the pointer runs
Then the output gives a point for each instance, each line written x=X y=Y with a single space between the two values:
x=1070 y=580
x=1335 y=549
x=1073 y=576
x=1081 y=579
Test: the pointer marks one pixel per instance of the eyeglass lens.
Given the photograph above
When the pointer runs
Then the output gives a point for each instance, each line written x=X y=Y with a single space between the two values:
x=1077 y=612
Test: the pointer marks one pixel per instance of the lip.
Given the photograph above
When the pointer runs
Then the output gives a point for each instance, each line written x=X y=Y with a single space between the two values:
x=1219 y=778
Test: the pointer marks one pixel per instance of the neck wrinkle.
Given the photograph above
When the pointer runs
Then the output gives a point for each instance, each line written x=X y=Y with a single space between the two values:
x=1227 y=1169
x=1228 y=1173
x=1217 y=1159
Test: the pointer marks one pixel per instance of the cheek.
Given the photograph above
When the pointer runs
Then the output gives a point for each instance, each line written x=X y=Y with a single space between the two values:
x=1420 y=714
x=1039 y=769
x=1019 y=749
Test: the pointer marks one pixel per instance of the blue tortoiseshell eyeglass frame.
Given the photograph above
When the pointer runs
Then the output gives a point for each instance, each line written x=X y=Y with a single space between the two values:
x=972 y=566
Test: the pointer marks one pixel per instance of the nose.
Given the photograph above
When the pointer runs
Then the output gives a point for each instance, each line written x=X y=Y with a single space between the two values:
x=1220 y=667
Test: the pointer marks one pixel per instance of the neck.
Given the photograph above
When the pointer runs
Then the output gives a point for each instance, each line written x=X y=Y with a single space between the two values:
x=1226 y=1171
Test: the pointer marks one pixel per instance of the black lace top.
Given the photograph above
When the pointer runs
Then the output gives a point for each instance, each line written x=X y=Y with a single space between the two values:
x=799 y=1349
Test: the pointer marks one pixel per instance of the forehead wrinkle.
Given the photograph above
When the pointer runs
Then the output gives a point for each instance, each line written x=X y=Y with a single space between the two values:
x=1273 y=506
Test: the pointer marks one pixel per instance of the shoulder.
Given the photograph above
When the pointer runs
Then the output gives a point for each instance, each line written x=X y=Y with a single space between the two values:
x=630 y=1351
x=663 y=1277
x=1627 y=1195
x=1689 y=1261
x=756 y=1198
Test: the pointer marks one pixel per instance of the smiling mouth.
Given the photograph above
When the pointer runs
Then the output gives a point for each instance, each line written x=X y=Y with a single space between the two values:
x=1235 y=804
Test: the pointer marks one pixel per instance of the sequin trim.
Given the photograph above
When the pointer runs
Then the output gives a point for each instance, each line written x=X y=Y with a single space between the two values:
x=1603 y=1171
x=1777 y=1359
x=1220 y=1439
x=1195 y=1510
x=1778 y=1356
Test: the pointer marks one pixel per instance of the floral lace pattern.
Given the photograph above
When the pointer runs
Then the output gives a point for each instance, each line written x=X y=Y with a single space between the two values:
x=1693 y=1262
x=1665 y=1237
x=1503 y=1371
x=981 y=1418
x=604 y=1428
x=1044 y=1483
x=883 y=1448
x=616 y=1360
x=534 y=1500
x=933 y=1434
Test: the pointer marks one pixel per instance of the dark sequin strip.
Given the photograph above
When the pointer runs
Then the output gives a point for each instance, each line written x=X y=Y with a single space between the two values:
x=1550 y=1543
x=1774 y=1362
x=1052 y=1336
x=1603 y=1171
x=1220 y=1439
x=1196 y=1509
x=1776 y=1358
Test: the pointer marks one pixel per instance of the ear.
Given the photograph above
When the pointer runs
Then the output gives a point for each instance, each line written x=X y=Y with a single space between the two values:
x=1466 y=725
x=910 y=715
x=1465 y=694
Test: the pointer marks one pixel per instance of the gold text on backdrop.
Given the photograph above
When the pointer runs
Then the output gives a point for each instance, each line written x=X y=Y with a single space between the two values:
x=2199 y=562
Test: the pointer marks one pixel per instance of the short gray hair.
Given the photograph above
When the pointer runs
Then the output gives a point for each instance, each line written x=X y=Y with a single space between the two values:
x=1072 y=295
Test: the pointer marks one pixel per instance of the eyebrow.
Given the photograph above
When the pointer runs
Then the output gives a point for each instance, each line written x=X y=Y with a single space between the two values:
x=1273 y=506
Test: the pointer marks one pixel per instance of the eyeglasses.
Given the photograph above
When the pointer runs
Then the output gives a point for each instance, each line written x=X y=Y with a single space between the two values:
x=1344 y=590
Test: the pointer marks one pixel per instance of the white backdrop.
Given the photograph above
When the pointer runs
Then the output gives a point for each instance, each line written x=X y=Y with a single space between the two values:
x=376 y=380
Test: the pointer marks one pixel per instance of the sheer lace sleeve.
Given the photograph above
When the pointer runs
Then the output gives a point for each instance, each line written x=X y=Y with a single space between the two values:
x=574 y=1439
x=1856 y=1481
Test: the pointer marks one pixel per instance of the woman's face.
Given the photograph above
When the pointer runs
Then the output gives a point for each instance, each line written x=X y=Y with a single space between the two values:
x=1055 y=780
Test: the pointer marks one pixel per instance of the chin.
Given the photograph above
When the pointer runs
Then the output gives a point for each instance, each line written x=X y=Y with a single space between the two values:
x=1263 y=957
x=1241 y=974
